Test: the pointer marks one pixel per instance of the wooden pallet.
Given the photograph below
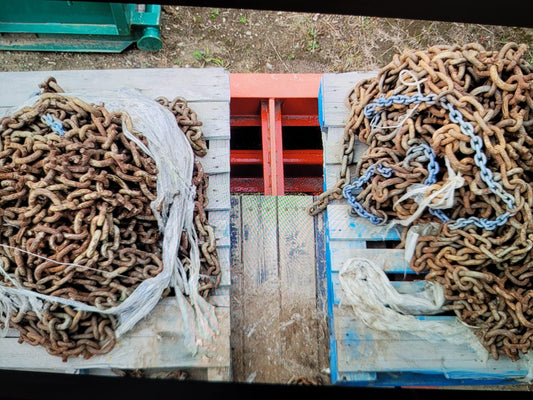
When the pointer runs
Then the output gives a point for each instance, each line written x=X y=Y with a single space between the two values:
x=157 y=340
x=361 y=355
x=279 y=318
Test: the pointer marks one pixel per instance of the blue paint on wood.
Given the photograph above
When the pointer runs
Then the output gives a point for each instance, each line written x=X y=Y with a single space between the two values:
x=398 y=379
x=357 y=377
x=320 y=105
x=330 y=291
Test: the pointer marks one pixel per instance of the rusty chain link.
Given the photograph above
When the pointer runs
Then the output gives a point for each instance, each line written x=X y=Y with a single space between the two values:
x=75 y=201
x=486 y=270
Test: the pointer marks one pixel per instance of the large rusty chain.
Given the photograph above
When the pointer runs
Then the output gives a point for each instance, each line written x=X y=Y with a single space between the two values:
x=75 y=201
x=442 y=115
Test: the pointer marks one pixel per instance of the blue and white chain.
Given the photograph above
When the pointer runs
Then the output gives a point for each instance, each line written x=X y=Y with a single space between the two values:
x=351 y=191
x=433 y=170
x=371 y=112
x=56 y=126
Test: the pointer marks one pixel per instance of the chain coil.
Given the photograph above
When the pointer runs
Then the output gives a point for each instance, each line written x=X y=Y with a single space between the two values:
x=474 y=109
x=75 y=191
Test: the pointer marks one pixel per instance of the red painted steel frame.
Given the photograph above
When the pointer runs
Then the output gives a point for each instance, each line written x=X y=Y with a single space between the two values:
x=290 y=157
x=272 y=147
x=271 y=101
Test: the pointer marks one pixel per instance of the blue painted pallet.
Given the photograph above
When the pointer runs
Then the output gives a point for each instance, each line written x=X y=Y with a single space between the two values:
x=363 y=356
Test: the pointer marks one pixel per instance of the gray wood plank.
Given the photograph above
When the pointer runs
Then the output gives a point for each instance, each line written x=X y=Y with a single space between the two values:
x=237 y=293
x=392 y=260
x=299 y=317
x=332 y=175
x=218 y=192
x=335 y=88
x=261 y=297
x=225 y=267
x=342 y=226
x=278 y=326
x=333 y=146
x=366 y=349
x=213 y=115
x=194 y=84
x=217 y=161
x=405 y=287
x=215 y=118
x=322 y=293
x=260 y=248
x=156 y=341
x=220 y=221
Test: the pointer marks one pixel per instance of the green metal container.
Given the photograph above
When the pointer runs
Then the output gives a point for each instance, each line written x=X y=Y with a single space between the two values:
x=81 y=26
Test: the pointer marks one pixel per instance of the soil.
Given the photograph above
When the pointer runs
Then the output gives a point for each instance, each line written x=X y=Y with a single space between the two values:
x=259 y=41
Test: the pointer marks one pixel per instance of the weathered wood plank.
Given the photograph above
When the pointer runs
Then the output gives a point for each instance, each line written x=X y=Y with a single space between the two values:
x=277 y=330
x=404 y=287
x=213 y=115
x=299 y=318
x=322 y=292
x=216 y=161
x=220 y=298
x=225 y=265
x=296 y=249
x=156 y=341
x=218 y=374
x=342 y=226
x=193 y=84
x=333 y=142
x=218 y=192
x=391 y=260
x=321 y=260
x=331 y=175
x=215 y=118
x=238 y=292
x=261 y=300
x=335 y=88
x=260 y=247
x=220 y=221
x=366 y=349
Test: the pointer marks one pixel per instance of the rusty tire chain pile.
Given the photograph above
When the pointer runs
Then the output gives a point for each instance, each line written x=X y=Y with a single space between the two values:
x=210 y=274
x=80 y=201
x=486 y=270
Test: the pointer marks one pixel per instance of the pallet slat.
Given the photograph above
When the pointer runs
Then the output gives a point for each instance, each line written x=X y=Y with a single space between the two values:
x=154 y=342
x=195 y=84
x=275 y=331
x=333 y=91
x=387 y=352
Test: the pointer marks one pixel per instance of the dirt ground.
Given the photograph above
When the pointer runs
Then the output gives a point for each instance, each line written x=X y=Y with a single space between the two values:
x=273 y=42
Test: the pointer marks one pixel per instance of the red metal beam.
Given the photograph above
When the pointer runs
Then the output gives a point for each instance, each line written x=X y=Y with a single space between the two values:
x=286 y=120
x=272 y=147
x=275 y=86
x=309 y=185
x=290 y=157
